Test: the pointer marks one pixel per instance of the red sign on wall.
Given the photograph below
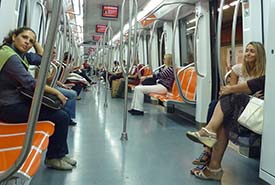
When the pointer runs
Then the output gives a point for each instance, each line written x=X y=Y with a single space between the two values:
x=97 y=37
x=109 y=11
x=100 y=28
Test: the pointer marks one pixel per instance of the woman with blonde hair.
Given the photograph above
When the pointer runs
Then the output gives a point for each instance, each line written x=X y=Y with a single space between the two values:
x=253 y=66
x=164 y=83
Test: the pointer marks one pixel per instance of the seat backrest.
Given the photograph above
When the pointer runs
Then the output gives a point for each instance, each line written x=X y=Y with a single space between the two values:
x=188 y=81
x=11 y=142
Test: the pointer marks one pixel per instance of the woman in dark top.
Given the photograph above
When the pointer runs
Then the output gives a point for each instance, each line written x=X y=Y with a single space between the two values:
x=14 y=61
x=215 y=135
x=164 y=84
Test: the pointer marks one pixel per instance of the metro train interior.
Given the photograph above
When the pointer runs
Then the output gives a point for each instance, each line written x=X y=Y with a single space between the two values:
x=127 y=92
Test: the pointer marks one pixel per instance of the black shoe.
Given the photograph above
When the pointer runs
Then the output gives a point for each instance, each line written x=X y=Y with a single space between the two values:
x=72 y=123
x=136 y=112
x=130 y=111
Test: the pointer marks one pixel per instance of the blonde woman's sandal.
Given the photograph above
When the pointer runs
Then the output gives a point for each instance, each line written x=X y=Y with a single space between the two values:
x=215 y=174
x=208 y=138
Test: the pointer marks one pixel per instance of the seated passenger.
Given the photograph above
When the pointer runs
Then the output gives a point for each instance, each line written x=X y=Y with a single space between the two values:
x=66 y=90
x=116 y=73
x=226 y=113
x=164 y=84
x=87 y=67
x=134 y=76
x=13 y=74
x=253 y=66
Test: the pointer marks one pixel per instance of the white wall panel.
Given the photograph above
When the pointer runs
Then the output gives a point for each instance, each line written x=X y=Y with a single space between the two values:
x=204 y=62
x=8 y=16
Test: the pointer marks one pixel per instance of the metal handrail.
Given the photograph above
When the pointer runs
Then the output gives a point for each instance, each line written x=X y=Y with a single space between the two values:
x=218 y=42
x=166 y=4
x=59 y=67
x=37 y=98
x=28 y=6
x=79 y=9
x=150 y=43
x=163 y=34
x=233 y=35
x=23 y=13
x=162 y=66
x=43 y=21
x=173 y=53
x=195 y=46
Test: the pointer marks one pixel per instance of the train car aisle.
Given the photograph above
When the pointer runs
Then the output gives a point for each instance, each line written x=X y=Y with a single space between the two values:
x=157 y=152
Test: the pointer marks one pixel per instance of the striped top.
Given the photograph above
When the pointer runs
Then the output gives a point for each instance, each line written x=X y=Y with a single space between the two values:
x=166 y=78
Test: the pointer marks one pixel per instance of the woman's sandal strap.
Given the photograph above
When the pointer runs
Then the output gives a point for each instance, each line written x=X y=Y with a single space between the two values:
x=211 y=134
x=214 y=170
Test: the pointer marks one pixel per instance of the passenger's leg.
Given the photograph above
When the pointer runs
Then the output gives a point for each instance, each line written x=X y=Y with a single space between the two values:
x=140 y=90
x=71 y=102
x=219 y=149
x=207 y=135
x=214 y=170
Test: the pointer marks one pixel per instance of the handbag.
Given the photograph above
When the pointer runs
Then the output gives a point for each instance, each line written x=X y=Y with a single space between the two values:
x=48 y=100
x=149 y=81
x=252 y=117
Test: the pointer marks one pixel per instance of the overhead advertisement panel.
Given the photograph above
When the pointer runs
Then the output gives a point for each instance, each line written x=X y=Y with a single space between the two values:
x=109 y=11
x=100 y=28
x=96 y=37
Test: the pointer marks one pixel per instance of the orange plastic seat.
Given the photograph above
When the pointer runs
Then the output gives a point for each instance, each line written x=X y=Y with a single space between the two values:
x=11 y=142
x=188 y=81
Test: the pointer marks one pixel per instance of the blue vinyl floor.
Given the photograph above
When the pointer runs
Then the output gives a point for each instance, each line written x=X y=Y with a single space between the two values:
x=156 y=153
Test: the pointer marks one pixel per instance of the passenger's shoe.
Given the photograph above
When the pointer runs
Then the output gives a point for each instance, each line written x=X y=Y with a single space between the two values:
x=72 y=123
x=197 y=168
x=58 y=164
x=203 y=159
x=208 y=138
x=214 y=174
x=78 y=98
x=69 y=160
x=136 y=112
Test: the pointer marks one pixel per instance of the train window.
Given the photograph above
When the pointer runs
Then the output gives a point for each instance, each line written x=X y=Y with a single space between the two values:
x=226 y=33
x=186 y=29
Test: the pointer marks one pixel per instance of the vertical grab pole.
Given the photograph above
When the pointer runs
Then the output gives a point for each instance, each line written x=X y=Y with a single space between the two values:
x=124 y=136
x=100 y=61
x=132 y=3
x=36 y=103
x=233 y=36
x=218 y=42
x=108 y=31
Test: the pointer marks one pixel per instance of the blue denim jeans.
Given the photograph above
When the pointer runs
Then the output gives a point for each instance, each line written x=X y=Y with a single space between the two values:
x=71 y=102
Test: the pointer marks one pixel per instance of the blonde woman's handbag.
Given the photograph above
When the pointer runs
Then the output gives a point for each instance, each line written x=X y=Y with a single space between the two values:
x=252 y=117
